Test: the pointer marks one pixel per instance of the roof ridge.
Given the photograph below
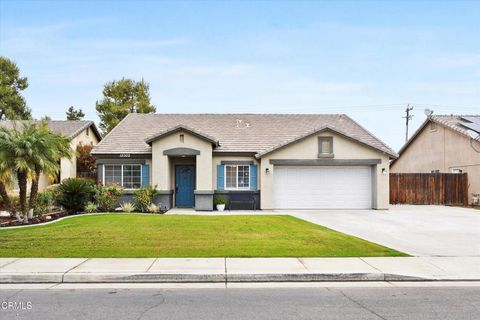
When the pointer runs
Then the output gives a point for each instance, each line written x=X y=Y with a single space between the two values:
x=455 y=115
x=248 y=113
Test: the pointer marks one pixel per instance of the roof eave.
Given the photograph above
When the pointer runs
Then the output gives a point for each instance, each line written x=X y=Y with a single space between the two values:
x=178 y=128
x=317 y=131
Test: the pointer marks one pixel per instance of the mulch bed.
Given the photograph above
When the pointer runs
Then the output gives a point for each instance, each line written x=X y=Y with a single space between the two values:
x=47 y=217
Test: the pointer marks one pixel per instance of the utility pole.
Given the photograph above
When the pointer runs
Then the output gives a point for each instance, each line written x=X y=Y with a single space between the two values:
x=407 y=117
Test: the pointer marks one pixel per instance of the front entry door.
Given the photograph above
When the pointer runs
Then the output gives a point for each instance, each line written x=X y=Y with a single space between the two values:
x=184 y=185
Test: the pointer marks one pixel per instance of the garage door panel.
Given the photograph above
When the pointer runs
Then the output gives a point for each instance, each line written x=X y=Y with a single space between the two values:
x=322 y=187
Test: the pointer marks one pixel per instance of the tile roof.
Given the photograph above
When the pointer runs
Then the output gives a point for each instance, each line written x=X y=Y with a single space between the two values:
x=451 y=121
x=181 y=127
x=254 y=133
x=70 y=129
x=454 y=122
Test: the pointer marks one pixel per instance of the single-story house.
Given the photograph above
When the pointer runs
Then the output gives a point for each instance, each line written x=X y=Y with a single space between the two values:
x=270 y=161
x=79 y=132
x=444 y=144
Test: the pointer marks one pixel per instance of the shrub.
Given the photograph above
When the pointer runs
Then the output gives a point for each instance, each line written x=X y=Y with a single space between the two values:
x=74 y=194
x=218 y=199
x=86 y=163
x=153 y=208
x=127 y=207
x=143 y=198
x=91 y=207
x=107 y=196
x=44 y=203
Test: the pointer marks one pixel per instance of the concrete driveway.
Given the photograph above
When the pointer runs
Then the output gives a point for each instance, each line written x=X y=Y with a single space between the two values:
x=416 y=230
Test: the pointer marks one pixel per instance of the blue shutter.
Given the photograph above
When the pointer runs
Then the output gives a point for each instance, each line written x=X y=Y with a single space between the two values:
x=253 y=177
x=220 y=177
x=145 y=175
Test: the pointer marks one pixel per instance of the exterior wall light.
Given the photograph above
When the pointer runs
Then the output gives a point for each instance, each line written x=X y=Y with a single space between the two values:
x=267 y=171
x=384 y=171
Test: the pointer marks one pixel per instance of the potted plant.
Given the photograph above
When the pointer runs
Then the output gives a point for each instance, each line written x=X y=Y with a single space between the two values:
x=220 y=202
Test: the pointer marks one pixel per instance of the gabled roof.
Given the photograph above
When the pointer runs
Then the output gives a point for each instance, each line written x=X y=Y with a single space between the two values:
x=453 y=122
x=238 y=133
x=68 y=128
x=178 y=128
x=313 y=132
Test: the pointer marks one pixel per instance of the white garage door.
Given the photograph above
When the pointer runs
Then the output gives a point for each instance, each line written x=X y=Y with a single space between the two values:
x=322 y=187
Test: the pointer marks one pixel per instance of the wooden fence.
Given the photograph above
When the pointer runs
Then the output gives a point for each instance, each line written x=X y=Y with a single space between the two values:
x=429 y=188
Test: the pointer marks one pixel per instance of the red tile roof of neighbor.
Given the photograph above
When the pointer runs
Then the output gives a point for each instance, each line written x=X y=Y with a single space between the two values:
x=253 y=133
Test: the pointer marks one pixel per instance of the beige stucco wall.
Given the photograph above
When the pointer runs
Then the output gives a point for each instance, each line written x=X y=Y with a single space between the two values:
x=68 y=167
x=162 y=165
x=441 y=149
x=343 y=148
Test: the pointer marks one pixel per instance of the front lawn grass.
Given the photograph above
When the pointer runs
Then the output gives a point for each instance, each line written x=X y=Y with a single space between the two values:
x=135 y=236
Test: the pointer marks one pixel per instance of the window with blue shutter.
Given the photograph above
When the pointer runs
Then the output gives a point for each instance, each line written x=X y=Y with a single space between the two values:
x=253 y=177
x=145 y=175
x=220 y=177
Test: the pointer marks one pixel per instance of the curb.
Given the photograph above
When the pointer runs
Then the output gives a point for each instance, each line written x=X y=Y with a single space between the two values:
x=200 y=278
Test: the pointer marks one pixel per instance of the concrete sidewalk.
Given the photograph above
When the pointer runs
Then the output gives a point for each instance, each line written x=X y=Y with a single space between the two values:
x=112 y=270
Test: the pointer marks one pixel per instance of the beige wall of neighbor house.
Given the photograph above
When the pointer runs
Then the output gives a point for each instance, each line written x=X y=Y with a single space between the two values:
x=68 y=167
x=343 y=148
x=440 y=148
x=162 y=165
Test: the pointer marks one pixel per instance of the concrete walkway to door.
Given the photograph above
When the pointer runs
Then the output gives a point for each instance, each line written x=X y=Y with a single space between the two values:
x=416 y=230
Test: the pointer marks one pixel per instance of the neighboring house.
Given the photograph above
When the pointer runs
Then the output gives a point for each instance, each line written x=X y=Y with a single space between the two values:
x=444 y=143
x=79 y=132
x=282 y=161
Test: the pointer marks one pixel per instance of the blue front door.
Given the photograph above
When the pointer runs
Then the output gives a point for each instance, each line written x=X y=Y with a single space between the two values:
x=184 y=185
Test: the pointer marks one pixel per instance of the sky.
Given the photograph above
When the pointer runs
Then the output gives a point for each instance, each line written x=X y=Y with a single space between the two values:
x=367 y=59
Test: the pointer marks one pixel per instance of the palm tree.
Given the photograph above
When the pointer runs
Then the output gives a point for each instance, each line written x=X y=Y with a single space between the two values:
x=27 y=153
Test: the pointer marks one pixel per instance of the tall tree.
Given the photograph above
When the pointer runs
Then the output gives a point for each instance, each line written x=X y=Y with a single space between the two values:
x=121 y=98
x=26 y=153
x=73 y=114
x=12 y=104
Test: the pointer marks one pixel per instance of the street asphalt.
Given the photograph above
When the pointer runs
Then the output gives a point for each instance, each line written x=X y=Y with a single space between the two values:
x=262 y=303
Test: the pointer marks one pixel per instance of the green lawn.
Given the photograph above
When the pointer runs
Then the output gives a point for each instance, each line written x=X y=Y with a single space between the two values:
x=122 y=236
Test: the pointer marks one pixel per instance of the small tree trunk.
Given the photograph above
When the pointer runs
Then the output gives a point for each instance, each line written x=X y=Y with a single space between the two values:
x=22 y=184
x=6 y=200
x=34 y=189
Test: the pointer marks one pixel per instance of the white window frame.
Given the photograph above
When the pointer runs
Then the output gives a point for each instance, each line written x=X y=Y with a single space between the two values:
x=123 y=164
x=236 y=166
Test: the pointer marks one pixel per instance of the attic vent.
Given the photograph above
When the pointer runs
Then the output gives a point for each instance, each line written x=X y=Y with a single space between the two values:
x=242 y=124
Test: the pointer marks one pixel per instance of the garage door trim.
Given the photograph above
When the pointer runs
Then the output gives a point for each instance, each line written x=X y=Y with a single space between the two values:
x=325 y=162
